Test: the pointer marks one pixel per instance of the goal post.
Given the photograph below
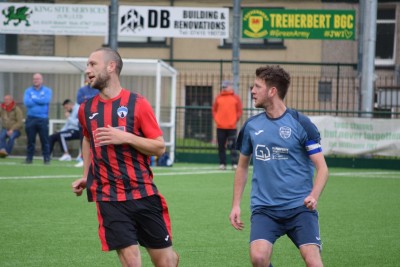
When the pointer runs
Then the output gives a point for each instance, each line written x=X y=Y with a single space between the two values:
x=152 y=78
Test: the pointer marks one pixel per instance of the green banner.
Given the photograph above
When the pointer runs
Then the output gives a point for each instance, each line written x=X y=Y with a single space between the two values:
x=298 y=24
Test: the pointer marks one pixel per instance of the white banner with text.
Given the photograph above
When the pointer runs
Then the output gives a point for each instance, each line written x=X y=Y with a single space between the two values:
x=93 y=20
x=173 y=22
x=358 y=136
x=53 y=19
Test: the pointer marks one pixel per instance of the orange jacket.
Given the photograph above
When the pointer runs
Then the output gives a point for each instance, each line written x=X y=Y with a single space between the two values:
x=227 y=109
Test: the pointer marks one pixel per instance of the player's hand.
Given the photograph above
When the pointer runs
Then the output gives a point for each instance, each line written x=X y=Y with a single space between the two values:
x=234 y=217
x=311 y=203
x=109 y=135
x=78 y=186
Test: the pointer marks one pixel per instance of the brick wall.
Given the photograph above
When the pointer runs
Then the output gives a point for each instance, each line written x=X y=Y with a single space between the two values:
x=36 y=45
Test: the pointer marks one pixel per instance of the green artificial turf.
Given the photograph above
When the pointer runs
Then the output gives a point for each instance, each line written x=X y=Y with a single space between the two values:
x=43 y=224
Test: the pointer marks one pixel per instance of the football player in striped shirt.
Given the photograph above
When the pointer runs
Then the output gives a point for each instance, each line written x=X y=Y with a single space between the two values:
x=120 y=134
x=284 y=146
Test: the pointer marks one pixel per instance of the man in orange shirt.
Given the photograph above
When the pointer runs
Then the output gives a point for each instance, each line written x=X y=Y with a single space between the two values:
x=227 y=110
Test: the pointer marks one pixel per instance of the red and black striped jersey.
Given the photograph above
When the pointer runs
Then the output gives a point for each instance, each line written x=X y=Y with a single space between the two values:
x=119 y=172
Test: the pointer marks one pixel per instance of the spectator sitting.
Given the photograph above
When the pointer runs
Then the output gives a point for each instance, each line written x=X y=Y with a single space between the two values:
x=11 y=120
x=70 y=131
x=84 y=93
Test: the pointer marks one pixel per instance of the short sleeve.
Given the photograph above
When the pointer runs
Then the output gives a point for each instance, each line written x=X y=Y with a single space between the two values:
x=148 y=124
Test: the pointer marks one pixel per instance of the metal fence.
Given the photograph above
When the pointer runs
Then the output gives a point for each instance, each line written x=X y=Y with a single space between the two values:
x=316 y=89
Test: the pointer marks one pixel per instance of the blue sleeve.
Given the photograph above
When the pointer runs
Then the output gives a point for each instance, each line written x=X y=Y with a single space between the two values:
x=243 y=143
x=46 y=99
x=79 y=96
x=72 y=121
x=73 y=118
x=312 y=139
x=27 y=98
x=310 y=129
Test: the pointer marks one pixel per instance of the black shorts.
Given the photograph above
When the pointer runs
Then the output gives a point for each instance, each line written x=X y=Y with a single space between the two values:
x=143 y=221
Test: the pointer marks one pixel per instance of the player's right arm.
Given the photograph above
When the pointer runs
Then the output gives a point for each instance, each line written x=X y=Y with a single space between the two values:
x=238 y=188
x=79 y=185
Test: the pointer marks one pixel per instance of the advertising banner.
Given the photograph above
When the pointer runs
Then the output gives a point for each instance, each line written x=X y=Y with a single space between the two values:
x=358 y=136
x=173 y=22
x=298 y=24
x=52 y=19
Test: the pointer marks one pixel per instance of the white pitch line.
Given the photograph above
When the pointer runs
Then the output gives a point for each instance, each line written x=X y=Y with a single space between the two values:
x=72 y=163
x=77 y=176
x=38 y=177
x=175 y=171
x=359 y=174
x=187 y=173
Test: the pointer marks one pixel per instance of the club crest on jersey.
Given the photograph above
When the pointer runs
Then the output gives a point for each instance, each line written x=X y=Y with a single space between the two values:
x=122 y=111
x=285 y=132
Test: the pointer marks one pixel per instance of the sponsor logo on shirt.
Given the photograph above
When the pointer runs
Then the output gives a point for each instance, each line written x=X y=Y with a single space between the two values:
x=262 y=153
x=285 y=132
x=93 y=115
x=122 y=111
x=258 y=132
x=280 y=152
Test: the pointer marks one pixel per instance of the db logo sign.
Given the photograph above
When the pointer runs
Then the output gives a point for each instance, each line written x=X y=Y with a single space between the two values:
x=132 y=20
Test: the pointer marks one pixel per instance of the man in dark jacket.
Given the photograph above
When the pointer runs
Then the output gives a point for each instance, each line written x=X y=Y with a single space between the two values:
x=11 y=121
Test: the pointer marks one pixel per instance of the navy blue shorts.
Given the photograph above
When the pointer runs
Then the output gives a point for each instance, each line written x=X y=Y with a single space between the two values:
x=143 y=221
x=299 y=224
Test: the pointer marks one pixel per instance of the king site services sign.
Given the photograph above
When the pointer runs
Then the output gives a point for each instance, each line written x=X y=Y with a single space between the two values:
x=298 y=24
x=53 y=19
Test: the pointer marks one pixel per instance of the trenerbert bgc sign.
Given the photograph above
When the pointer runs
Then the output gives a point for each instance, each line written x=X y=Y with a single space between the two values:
x=298 y=24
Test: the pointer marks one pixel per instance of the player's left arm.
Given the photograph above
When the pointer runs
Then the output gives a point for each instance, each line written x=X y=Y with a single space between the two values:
x=147 y=146
x=321 y=178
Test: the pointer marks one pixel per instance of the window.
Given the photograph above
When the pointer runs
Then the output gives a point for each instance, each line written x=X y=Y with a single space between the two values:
x=385 y=36
x=135 y=41
x=250 y=43
x=2 y=44
x=9 y=44
x=198 y=117
x=324 y=91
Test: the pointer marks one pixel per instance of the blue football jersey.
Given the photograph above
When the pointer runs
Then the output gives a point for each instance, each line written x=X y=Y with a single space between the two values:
x=280 y=148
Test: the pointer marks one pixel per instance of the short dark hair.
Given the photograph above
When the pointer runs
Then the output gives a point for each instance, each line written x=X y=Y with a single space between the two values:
x=112 y=55
x=275 y=76
x=67 y=101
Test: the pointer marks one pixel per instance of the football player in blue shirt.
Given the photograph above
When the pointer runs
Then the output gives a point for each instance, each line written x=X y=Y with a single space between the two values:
x=284 y=146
